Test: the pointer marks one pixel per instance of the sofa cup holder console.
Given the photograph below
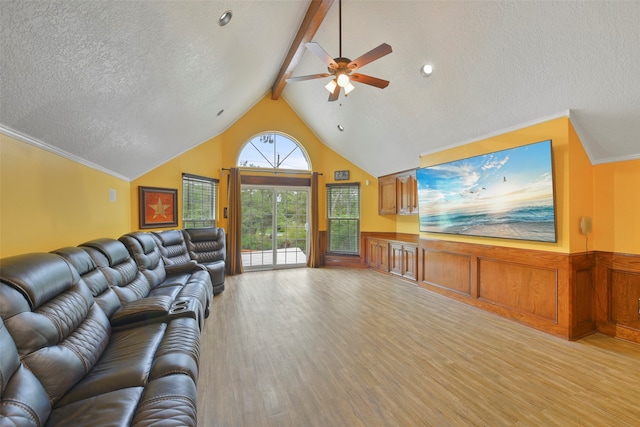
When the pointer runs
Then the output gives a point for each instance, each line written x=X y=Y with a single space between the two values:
x=179 y=306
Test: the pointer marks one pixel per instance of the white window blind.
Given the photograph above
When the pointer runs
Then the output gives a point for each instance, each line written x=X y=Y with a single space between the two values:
x=343 y=215
x=199 y=201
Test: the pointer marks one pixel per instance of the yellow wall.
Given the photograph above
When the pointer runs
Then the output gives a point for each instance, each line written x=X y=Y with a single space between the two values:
x=48 y=202
x=616 y=223
x=558 y=131
x=581 y=200
x=203 y=160
x=408 y=224
x=607 y=193
x=267 y=115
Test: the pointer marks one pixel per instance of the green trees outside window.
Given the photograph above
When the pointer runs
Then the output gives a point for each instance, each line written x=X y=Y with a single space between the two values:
x=343 y=216
x=257 y=218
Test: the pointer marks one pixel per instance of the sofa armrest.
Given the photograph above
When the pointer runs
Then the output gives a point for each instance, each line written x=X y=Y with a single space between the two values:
x=187 y=267
x=142 y=310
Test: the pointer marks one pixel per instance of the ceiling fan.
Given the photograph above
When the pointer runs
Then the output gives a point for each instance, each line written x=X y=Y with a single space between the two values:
x=341 y=68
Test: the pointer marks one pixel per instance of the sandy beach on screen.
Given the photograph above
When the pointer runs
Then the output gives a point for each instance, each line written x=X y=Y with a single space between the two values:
x=541 y=231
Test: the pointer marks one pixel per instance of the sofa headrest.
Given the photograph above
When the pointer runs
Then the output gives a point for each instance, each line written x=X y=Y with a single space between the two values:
x=145 y=240
x=38 y=276
x=201 y=234
x=86 y=267
x=112 y=249
x=170 y=237
x=77 y=257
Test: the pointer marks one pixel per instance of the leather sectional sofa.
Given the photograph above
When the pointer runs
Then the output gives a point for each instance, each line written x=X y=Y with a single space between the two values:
x=104 y=333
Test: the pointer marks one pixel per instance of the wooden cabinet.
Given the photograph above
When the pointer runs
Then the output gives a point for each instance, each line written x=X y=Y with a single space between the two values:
x=407 y=193
x=387 y=195
x=378 y=254
x=398 y=194
x=403 y=260
x=392 y=256
x=410 y=262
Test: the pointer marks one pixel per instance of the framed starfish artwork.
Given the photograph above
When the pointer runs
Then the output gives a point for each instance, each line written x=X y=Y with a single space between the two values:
x=158 y=207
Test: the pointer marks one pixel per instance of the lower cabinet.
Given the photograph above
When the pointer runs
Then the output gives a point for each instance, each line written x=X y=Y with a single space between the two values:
x=403 y=260
x=378 y=254
x=395 y=257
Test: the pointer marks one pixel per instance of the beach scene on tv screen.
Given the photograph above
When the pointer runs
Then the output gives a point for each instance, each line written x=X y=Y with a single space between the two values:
x=505 y=194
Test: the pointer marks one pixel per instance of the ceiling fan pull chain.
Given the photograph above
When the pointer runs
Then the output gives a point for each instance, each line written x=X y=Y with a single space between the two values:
x=340 y=26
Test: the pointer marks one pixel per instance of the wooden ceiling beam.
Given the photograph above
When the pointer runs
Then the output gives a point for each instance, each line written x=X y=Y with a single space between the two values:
x=315 y=15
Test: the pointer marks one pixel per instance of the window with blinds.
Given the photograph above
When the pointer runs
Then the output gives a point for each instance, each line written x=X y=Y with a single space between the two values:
x=199 y=201
x=343 y=216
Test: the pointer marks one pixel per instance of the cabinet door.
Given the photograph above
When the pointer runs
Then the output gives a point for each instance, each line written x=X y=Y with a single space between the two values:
x=407 y=194
x=414 y=193
x=410 y=262
x=387 y=195
x=395 y=259
x=403 y=194
x=383 y=255
x=373 y=250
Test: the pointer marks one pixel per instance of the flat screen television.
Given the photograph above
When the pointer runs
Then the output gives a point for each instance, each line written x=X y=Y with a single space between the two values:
x=504 y=194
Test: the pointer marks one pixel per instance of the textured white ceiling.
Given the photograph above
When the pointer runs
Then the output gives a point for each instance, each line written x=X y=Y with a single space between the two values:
x=127 y=85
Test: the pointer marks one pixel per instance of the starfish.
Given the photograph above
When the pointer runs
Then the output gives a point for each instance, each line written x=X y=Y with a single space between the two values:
x=159 y=209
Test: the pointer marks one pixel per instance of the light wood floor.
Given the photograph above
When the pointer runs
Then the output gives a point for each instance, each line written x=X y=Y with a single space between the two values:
x=340 y=347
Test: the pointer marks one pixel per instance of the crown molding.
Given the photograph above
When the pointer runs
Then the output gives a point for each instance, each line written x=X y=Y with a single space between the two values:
x=499 y=132
x=43 y=145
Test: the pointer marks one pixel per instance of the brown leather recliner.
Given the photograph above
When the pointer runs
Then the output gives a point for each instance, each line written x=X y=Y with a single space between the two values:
x=208 y=247
x=175 y=255
x=67 y=367
x=24 y=401
x=131 y=282
x=191 y=284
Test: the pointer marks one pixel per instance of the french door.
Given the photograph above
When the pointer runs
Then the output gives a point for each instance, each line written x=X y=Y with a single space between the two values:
x=274 y=227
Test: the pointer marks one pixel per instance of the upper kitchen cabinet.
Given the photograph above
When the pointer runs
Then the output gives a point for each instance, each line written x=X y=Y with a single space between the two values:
x=398 y=194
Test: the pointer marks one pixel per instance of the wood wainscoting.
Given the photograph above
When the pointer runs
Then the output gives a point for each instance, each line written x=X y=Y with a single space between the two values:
x=567 y=295
x=532 y=287
x=362 y=261
x=618 y=295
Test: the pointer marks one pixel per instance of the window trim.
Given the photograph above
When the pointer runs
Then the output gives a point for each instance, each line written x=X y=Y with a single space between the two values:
x=275 y=169
x=357 y=219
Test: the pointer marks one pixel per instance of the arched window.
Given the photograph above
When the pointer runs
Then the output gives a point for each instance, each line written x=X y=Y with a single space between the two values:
x=276 y=151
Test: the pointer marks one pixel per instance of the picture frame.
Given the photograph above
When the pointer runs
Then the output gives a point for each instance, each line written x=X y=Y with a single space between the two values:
x=158 y=207
x=341 y=175
x=506 y=194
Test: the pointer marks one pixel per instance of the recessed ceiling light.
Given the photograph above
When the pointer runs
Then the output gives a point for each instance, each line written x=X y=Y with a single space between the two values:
x=220 y=112
x=340 y=128
x=426 y=70
x=225 y=18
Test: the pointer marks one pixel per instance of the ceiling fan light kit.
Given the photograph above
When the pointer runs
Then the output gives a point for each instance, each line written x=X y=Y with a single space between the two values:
x=341 y=68
x=331 y=86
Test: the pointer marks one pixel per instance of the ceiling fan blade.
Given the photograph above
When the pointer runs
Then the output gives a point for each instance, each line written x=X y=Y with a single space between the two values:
x=368 y=80
x=309 y=77
x=372 y=55
x=322 y=54
x=333 y=96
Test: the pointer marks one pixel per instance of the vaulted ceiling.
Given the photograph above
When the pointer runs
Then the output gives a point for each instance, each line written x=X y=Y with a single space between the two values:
x=127 y=85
